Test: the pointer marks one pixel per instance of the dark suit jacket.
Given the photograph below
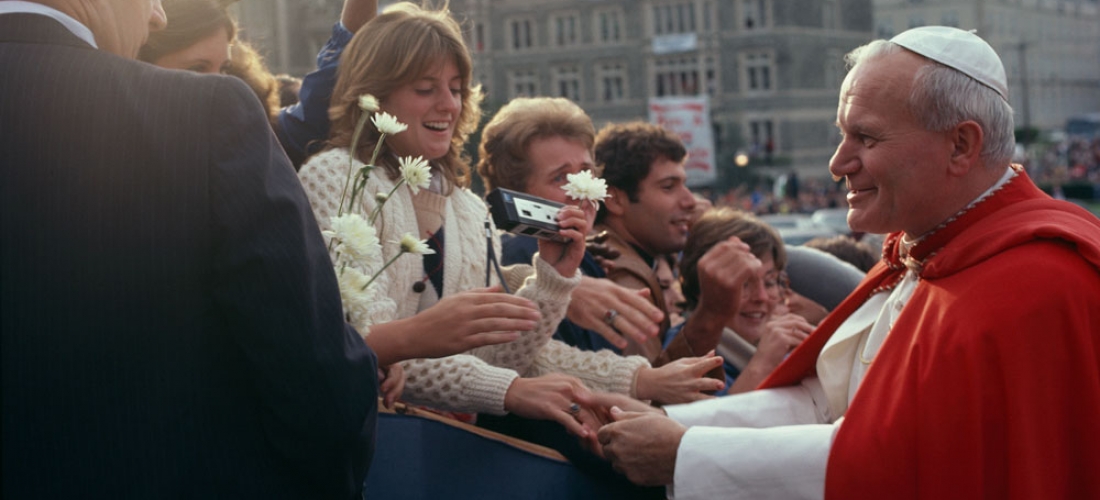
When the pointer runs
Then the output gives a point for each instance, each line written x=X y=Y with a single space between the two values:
x=172 y=326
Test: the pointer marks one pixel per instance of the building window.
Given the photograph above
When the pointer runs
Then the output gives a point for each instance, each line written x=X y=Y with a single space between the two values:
x=523 y=83
x=754 y=14
x=609 y=26
x=829 y=14
x=676 y=76
x=834 y=69
x=672 y=18
x=710 y=79
x=567 y=82
x=708 y=14
x=611 y=80
x=757 y=71
x=565 y=29
x=479 y=37
x=521 y=33
x=761 y=138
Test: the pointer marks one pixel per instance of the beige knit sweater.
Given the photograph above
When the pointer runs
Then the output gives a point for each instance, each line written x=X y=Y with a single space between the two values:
x=477 y=380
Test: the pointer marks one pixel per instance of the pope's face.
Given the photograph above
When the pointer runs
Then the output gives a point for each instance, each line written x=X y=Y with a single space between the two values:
x=893 y=167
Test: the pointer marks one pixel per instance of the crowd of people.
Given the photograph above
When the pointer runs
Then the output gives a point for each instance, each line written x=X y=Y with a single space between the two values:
x=212 y=283
x=1074 y=159
x=779 y=196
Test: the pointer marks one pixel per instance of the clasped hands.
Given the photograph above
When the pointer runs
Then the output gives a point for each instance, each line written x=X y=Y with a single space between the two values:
x=639 y=440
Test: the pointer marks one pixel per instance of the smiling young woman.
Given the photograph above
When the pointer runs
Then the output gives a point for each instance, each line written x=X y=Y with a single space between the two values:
x=414 y=61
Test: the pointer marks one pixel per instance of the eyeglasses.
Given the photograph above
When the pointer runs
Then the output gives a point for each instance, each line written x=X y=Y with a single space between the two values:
x=775 y=285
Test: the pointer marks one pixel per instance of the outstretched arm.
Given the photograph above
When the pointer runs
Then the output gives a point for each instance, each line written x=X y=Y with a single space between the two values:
x=356 y=13
x=303 y=127
x=456 y=324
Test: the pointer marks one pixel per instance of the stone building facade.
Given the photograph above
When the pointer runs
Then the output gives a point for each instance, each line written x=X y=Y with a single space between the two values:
x=1050 y=48
x=770 y=69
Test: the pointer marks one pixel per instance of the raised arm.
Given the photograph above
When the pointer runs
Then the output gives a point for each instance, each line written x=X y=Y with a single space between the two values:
x=303 y=127
x=356 y=13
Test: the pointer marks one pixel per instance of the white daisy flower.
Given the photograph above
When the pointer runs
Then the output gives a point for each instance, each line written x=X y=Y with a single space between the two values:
x=354 y=291
x=358 y=240
x=582 y=186
x=417 y=173
x=368 y=103
x=387 y=124
x=409 y=244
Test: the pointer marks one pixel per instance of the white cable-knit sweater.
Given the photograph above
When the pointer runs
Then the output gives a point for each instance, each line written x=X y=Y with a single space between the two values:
x=477 y=380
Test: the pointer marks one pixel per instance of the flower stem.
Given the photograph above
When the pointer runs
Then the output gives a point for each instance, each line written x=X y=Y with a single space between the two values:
x=351 y=160
x=380 y=271
x=377 y=148
x=378 y=208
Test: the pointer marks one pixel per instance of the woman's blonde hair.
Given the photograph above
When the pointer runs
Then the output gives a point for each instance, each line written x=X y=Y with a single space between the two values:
x=399 y=46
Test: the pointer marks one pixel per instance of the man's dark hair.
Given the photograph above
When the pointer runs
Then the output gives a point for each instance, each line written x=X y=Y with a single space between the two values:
x=626 y=151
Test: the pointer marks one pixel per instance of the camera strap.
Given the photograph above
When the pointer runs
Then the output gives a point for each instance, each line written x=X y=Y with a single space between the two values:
x=491 y=258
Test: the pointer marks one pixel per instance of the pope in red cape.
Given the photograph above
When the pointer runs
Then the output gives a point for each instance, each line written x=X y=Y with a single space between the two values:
x=967 y=363
x=992 y=389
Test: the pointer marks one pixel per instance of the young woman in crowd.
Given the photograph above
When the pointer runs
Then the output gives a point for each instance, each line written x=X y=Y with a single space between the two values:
x=762 y=332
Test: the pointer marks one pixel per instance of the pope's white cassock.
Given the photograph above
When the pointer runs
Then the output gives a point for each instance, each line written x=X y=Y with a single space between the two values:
x=774 y=443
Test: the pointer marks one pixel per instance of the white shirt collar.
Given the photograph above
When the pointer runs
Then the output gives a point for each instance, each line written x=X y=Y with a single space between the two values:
x=22 y=7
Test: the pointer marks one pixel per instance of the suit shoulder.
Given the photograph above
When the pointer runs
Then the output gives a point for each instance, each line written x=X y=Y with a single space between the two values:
x=186 y=85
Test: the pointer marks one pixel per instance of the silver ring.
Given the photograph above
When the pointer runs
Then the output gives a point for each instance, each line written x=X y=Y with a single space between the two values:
x=574 y=409
x=609 y=317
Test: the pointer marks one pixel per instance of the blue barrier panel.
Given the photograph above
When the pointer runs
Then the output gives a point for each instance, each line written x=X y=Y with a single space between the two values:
x=420 y=457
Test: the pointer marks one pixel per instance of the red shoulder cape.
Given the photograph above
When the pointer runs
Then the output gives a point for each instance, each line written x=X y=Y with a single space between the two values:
x=988 y=385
